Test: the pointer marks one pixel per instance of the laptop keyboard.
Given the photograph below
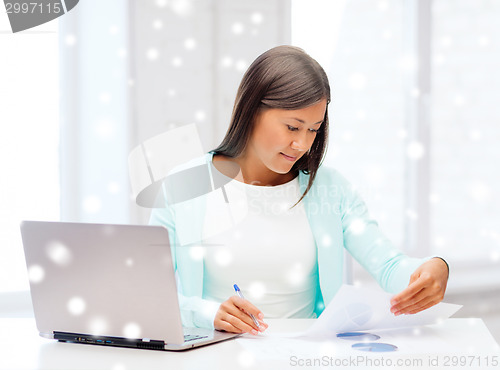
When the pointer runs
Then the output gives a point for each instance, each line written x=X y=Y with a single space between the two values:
x=190 y=337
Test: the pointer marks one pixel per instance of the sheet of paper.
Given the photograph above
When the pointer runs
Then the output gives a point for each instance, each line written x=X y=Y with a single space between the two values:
x=270 y=350
x=356 y=309
x=409 y=341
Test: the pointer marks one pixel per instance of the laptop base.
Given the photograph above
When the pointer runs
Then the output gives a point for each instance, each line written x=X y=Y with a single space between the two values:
x=109 y=341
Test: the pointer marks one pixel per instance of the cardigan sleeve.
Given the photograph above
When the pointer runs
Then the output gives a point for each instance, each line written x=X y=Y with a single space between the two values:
x=369 y=246
x=195 y=311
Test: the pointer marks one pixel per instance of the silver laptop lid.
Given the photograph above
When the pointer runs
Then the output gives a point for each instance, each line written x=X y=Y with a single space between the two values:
x=108 y=280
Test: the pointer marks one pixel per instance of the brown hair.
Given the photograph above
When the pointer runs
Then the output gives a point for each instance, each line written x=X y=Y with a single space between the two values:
x=284 y=77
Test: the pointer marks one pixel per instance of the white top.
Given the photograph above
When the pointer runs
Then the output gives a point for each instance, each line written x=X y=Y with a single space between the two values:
x=259 y=243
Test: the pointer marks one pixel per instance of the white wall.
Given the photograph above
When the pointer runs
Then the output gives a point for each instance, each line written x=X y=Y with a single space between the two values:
x=94 y=105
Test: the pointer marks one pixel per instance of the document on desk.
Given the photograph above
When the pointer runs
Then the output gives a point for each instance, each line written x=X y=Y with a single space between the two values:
x=356 y=309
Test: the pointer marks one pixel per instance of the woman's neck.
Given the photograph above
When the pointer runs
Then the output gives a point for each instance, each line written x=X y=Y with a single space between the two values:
x=249 y=172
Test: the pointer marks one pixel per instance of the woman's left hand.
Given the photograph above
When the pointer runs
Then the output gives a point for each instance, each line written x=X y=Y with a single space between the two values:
x=427 y=287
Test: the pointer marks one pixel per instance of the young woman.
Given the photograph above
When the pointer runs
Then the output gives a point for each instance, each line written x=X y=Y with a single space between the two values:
x=298 y=216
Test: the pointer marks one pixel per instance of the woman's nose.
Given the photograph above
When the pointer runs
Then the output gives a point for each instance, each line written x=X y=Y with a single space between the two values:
x=299 y=145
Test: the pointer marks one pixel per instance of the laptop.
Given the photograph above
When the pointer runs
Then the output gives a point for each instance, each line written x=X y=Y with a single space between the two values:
x=109 y=285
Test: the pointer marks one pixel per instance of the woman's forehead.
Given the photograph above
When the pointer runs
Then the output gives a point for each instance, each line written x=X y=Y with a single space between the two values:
x=317 y=110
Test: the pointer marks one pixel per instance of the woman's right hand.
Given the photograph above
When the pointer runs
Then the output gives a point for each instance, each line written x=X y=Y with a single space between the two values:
x=234 y=316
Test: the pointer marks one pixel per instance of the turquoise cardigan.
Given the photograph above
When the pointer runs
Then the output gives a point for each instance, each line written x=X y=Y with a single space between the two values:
x=339 y=221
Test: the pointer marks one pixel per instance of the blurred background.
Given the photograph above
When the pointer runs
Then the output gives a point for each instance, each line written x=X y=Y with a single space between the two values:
x=415 y=116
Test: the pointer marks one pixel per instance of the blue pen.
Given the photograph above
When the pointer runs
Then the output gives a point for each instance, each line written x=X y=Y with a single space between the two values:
x=238 y=291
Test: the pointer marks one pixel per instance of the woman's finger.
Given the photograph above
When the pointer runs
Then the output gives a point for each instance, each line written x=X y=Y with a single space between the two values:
x=417 y=305
x=432 y=275
x=408 y=295
x=239 y=324
x=432 y=292
x=428 y=305
x=227 y=326
x=234 y=312
x=235 y=315
x=433 y=296
x=228 y=322
x=404 y=307
x=247 y=307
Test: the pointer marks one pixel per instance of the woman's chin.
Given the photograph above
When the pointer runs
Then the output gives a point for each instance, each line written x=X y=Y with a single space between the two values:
x=282 y=169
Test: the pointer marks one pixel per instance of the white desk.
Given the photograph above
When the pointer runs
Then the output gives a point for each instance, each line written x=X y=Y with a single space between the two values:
x=22 y=348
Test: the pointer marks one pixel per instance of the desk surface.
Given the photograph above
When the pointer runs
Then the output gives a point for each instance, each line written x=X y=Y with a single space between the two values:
x=464 y=340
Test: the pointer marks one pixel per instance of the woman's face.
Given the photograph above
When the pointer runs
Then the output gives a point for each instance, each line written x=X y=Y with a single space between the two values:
x=281 y=137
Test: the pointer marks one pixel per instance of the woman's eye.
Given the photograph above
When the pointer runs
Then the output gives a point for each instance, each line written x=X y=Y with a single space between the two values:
x=291 y=128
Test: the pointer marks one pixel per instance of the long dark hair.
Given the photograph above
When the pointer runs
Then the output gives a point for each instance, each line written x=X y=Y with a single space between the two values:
x=284 y=77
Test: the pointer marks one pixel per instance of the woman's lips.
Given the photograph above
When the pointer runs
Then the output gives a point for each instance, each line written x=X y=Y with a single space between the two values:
x=289 y=158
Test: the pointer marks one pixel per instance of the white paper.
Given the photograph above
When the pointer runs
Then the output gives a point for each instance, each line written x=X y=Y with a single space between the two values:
x=359 y=309
x=355 y=309
x=423 y=340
